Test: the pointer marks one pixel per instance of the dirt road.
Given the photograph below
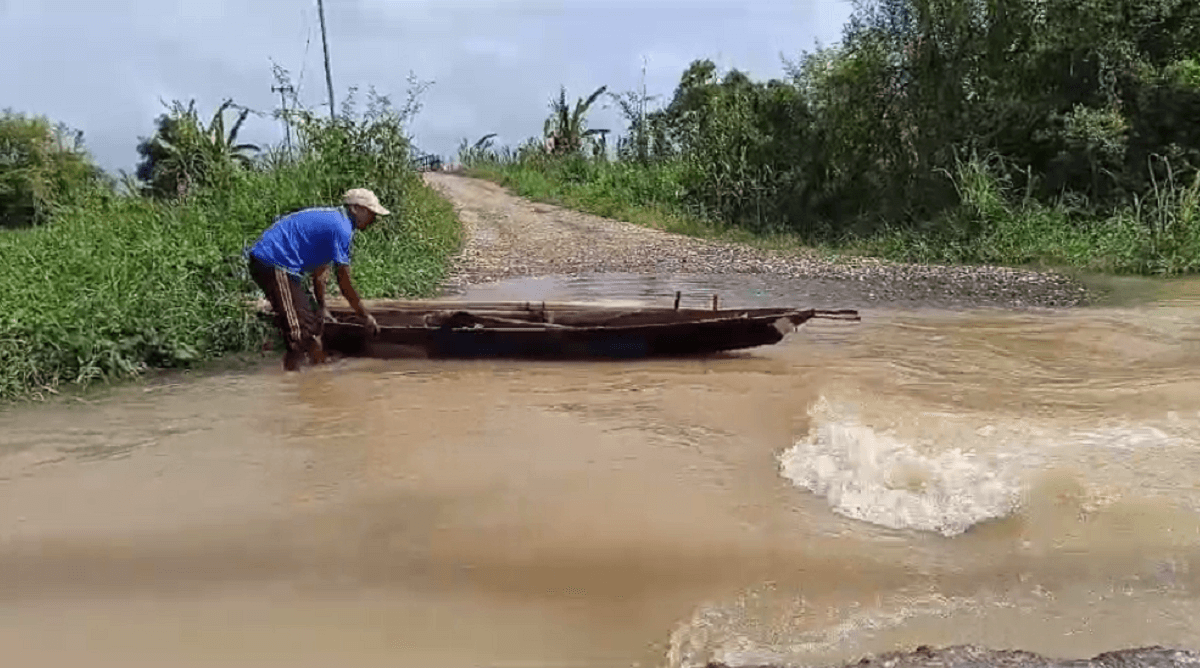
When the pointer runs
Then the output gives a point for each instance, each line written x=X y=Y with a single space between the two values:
x=509 y=237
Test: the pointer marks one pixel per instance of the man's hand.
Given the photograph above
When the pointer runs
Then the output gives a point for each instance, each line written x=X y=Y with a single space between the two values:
x=343 y=276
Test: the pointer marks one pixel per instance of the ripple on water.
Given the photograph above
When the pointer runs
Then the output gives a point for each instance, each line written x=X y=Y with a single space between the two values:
x=773 y=628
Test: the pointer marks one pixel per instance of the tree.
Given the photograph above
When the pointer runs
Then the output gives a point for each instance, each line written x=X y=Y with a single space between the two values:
x=480 y=152
x=634 y=107
x=566 y=128
x=184 y=153
x=41 y=166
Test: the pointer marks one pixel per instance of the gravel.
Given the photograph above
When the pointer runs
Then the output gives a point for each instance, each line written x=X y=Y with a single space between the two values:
x=969 y=656
x=510 y=237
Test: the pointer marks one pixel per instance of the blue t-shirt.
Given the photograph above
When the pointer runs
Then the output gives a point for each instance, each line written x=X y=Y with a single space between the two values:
x=302 y=241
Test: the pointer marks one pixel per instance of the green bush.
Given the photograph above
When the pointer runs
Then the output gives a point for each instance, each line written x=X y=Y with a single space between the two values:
x=119 y=284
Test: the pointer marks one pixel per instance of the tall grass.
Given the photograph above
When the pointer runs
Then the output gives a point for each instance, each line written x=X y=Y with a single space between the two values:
x=647 y=194
x=1158 y=235
x=115 y=285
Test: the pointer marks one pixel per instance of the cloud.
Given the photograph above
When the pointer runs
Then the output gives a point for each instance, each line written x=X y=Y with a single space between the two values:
x=103 y=66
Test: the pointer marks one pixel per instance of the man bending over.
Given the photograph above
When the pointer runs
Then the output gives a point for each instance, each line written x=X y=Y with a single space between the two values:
x=308 y=241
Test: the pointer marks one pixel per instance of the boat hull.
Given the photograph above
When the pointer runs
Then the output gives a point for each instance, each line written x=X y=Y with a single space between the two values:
x=565 y=331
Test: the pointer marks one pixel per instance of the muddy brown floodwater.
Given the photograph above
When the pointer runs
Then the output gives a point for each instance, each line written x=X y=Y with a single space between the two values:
x=1013 y=479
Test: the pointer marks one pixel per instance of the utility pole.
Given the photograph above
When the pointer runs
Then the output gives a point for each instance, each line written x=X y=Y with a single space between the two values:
x=643 y=147
x=287 y=125
x=325 y=42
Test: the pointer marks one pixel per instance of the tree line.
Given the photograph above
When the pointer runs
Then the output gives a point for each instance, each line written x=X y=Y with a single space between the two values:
x=923 y=109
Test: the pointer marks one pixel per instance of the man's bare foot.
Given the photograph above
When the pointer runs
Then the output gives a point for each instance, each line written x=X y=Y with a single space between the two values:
x=316 y=353
x=291 y=360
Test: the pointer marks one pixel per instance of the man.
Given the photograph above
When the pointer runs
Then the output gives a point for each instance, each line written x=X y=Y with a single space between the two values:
x=309 y=241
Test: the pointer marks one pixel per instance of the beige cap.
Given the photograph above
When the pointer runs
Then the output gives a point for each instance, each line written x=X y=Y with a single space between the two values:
x=366 y=199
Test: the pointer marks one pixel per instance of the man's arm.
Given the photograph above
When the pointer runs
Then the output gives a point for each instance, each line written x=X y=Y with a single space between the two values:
x=319 y=277
x=347 y=287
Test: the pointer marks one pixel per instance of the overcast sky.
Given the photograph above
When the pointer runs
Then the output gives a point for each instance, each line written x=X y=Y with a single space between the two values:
x=105 y=66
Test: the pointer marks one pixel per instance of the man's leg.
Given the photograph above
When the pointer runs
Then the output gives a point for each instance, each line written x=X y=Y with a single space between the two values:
x=303 y=322
x=277 y=285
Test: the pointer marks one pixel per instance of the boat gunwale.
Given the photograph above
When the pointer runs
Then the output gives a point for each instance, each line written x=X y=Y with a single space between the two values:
x=723 y=316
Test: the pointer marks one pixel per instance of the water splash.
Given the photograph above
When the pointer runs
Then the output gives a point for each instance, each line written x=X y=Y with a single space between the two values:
x=877 y=478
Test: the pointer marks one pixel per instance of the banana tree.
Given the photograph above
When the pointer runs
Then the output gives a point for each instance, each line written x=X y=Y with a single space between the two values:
x=223 y=146
x=478 y=153
x=184 y=151
x=566 y=128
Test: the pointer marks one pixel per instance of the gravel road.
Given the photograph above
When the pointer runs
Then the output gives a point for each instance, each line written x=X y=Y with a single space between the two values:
x=510 y=237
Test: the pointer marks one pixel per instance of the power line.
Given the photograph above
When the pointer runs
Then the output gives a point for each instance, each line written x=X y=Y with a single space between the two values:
x=304 y=60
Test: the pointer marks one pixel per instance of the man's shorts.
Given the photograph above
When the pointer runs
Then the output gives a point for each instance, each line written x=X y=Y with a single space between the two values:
x=295 y=317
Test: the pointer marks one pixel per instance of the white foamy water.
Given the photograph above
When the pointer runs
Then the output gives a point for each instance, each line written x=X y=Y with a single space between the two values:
x=877 y=478
x=956 y=478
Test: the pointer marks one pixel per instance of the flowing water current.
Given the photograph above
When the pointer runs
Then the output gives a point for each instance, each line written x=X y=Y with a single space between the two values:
x=1018 y=479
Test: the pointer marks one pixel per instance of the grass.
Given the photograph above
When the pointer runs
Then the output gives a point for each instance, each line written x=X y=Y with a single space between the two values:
x=645 y=196
x=117 y=285
x=1160 y=237
x=603 y=198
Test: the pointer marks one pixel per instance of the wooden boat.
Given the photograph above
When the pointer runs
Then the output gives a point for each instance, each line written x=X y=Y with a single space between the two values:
x=562 y=330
